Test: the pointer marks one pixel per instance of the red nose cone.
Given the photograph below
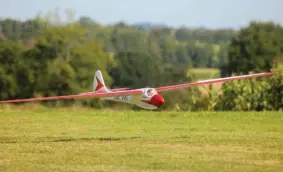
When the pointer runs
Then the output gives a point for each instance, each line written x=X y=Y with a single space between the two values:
x=157 y=100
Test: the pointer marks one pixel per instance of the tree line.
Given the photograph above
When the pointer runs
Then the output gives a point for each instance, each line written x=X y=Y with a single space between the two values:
x=42 y=58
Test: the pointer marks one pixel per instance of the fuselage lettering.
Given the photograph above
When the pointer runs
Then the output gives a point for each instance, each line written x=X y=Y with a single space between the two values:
x=122 y=98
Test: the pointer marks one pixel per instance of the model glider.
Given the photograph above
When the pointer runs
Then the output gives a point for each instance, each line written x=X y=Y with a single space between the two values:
x=147 y=98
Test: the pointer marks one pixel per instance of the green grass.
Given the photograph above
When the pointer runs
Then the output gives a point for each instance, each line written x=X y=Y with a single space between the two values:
x=83 y=140
x=206 y=73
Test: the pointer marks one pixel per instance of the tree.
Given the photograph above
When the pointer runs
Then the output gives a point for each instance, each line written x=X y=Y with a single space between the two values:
x=255 y=48
x=68 y=60
x=136 y=70
x=15 y=77
x=62 y=61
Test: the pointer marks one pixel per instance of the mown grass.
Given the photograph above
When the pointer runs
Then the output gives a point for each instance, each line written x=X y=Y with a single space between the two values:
x=206 y=73
x=84 y=140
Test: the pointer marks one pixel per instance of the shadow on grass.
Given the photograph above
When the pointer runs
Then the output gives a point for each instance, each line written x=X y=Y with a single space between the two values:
x=5 y=140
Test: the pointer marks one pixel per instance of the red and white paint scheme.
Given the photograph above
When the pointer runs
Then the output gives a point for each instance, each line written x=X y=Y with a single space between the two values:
x=147 y=98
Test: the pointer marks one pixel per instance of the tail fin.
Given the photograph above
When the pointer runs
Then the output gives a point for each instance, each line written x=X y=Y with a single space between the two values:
x=98 y=82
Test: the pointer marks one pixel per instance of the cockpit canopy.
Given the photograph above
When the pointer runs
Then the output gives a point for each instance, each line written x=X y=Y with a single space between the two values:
x=149 y=92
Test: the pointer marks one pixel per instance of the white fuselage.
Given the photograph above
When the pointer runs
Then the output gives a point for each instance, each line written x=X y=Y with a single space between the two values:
x=131 y=99
x=148 y=99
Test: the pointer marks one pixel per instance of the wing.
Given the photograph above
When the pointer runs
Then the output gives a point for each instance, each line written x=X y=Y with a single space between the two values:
x=112 y=90
x=119 y=89
x=211 y=81
x=77 y=96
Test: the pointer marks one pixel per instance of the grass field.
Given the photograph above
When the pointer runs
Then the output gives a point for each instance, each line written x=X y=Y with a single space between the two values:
x=83 y=140
x=206 y=73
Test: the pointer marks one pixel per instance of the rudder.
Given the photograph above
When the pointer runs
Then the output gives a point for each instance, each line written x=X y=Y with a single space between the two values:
x=98 y=82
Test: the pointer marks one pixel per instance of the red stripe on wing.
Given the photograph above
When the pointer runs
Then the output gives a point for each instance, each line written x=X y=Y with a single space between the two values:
x=113 y=90
x=119 y=89
x=210 y=81
x=117 y=93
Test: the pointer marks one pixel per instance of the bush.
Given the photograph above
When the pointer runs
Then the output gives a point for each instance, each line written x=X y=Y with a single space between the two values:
x=264 y=93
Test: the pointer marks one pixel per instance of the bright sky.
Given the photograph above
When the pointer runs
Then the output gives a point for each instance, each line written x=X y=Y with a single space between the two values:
x=192 y=13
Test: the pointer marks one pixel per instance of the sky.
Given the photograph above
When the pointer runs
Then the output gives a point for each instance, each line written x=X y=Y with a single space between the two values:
x=190 y=13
